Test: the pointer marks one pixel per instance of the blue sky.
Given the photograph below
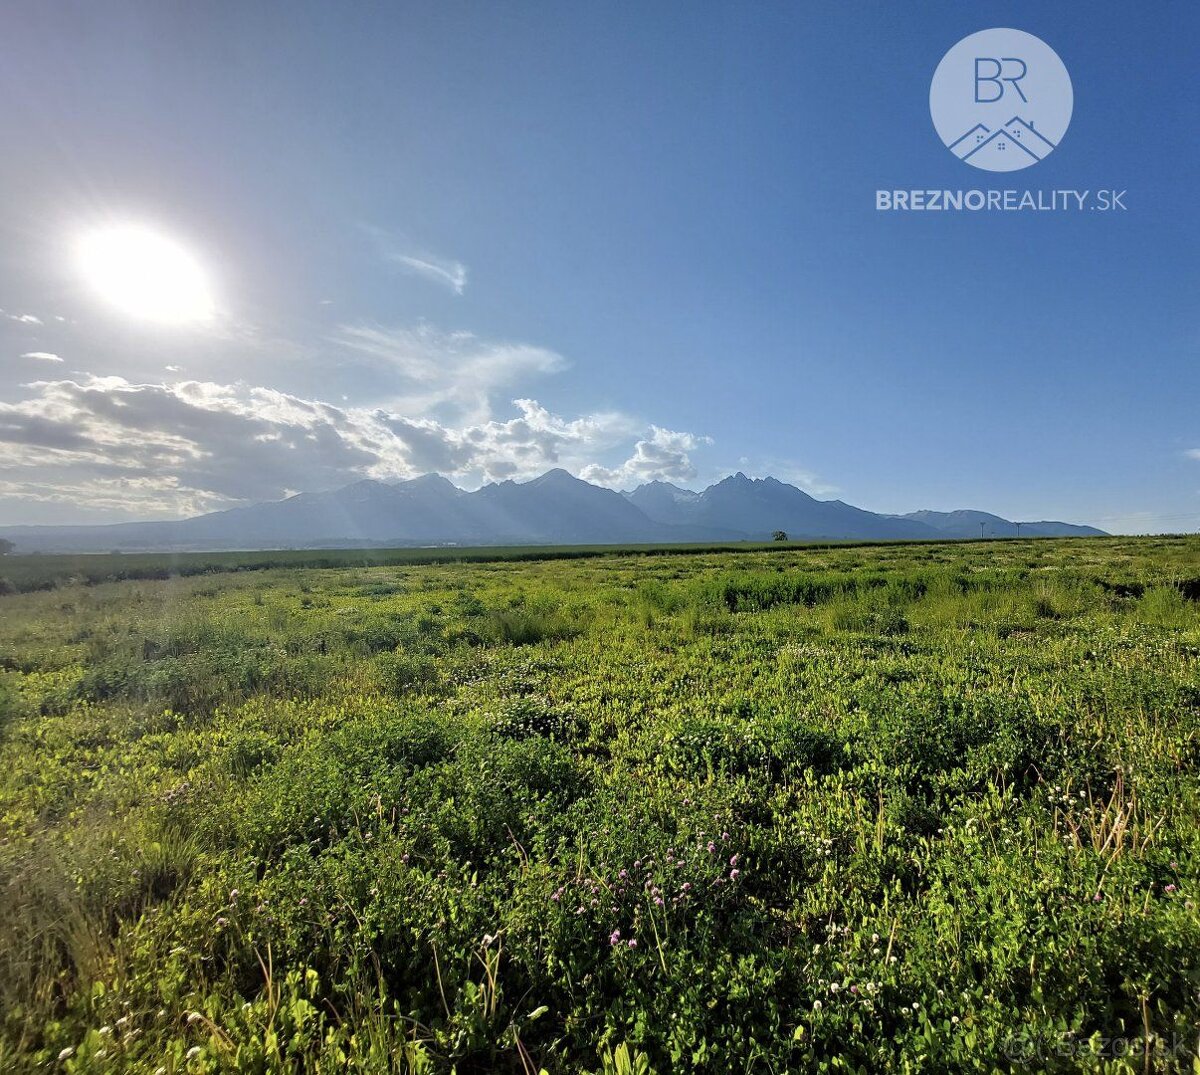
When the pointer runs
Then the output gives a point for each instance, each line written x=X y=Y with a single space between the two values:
x=654 y=224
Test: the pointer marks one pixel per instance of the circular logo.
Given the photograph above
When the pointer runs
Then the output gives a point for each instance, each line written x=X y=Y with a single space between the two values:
x=1001 y=100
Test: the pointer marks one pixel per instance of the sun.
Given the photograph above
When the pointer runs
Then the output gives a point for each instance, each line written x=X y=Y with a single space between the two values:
x=145 y=274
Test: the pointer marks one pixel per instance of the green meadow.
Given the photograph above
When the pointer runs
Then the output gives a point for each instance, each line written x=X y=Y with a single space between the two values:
x=852 y=809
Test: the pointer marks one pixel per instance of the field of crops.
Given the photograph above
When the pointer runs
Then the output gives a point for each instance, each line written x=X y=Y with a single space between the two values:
x=898 y=808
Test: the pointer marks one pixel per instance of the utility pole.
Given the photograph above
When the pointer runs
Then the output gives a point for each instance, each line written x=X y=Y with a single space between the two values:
x=981 y=525
x=1018 y=529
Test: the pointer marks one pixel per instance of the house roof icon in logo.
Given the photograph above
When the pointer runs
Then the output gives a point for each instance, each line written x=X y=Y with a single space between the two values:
x=1015 y=145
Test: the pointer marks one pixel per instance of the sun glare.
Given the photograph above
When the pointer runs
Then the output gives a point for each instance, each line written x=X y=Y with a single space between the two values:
x=146 y=275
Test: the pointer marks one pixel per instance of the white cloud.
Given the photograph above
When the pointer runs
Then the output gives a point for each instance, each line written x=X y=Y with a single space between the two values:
x=42 y=356
x=24 y=319
x=446 y=370
x=1193 y=453
x=150 y=449
x=451 y=274
x=663 y=456
x=446 y=272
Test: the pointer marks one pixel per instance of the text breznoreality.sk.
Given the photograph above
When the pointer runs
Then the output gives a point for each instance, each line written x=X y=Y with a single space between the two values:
x=1012 y=201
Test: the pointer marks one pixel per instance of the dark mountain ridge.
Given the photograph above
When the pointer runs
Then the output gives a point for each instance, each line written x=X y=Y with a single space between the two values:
x=553 y=509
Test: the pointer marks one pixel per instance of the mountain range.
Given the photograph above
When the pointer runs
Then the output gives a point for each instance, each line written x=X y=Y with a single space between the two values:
x=554 y=509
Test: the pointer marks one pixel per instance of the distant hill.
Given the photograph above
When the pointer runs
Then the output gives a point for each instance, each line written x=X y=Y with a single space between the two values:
x=760 y=506
x=554 y=509
x=968 y=524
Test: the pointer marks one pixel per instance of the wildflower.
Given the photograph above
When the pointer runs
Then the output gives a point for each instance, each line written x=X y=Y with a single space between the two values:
x=711 y=847
x=817 y=1005
x=686 y=886
x=916 y=1006
x=658 y=901
x=1169 y=888
x=614 y=938
x=854 y=990
x=623 y=874
x=632 y=943
x=67 y=1053
x=734 y=874
x=734 y=860
x=834 y=987
x=724 y=836
x=222 y=922
x=194 y=1018
x=193 y=1052
x=106 y=1030
x=233 y=895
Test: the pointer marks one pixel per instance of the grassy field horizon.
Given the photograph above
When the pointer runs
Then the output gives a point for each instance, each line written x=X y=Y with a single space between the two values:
x=23 y=572
x=849 y=808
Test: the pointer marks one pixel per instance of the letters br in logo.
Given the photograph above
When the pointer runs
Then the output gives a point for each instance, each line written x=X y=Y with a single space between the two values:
x=1001 y=100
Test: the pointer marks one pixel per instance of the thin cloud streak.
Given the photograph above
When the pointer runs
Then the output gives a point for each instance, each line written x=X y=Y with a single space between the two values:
x=451 y=274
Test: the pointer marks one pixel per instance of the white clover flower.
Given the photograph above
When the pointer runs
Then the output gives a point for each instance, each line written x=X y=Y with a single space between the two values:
x=67 y=1053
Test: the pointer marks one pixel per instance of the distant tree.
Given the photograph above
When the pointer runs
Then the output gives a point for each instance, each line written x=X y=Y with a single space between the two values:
x=6 y=546
x=779 y=535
